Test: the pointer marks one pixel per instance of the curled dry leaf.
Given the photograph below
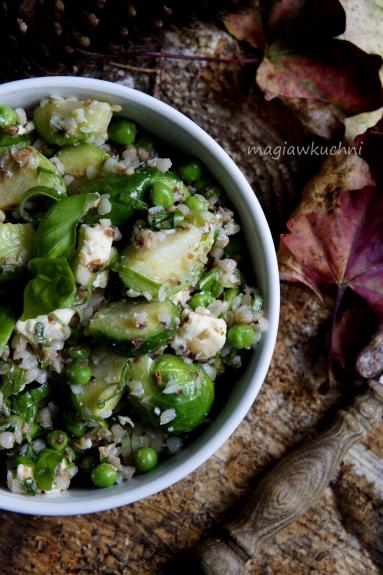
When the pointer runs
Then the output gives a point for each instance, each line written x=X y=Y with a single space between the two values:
x=337 y=173
x=304 y=62
x=247 y=25
x=335 y=238
x=364 y=24
x=343 y=247
x=338 y=73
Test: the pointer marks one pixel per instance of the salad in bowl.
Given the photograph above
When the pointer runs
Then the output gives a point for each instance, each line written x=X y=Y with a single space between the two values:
x=127 y=302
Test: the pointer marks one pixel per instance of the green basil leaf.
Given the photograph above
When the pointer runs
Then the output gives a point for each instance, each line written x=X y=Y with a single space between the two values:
x=125 y=193
x=34 y=193
x=56 y=235
x=53 y=287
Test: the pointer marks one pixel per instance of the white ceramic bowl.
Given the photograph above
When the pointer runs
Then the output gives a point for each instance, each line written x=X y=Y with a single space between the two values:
x=176 y=129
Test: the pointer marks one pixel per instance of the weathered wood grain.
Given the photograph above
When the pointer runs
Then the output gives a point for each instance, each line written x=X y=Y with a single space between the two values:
x=342 y=533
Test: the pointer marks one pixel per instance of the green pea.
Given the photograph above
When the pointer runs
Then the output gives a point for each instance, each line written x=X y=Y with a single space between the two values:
x=196 y=203
x=146 y=459
x=8 y=117
x=146 y=142
x=80 y=352
x=202 y=184
x=75 y=426
x=207 y=281
x=104 y=475
x=79 y=373
x=201 y=299
x=191 y=172
x=88 y=462
x=241 y=336
x=57 y=439
x=122 y=132
x=162 y=195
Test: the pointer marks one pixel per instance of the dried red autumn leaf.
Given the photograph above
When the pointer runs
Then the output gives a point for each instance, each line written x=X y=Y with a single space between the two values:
x=303 y=62
x=338 y=73
x=343 y=247
x=247 y=26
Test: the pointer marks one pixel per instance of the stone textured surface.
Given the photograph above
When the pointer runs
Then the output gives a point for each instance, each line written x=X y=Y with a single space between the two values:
x=343 y=533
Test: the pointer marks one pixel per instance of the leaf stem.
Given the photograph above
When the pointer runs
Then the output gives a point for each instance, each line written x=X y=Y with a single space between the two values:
x=338 y=300
x=134 y=54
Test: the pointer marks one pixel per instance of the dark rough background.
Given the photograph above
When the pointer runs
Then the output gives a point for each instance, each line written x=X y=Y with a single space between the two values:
x=343 y=533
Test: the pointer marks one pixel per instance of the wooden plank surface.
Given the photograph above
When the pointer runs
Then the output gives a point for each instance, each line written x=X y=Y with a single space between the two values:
x=343 y=533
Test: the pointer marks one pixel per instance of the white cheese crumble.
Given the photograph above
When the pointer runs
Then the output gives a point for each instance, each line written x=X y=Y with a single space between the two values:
x=200 y=335
x=93 y=253
x=45 y=329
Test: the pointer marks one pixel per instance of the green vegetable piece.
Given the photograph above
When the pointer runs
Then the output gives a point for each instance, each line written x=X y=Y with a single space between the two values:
x=125 y=193
x=100 y=396
x=201 y=299
x=9 y=141
x=75 y=425
x=230 y=294
x=15 y=249
x=122 y=131
x=104 y=475
x=162 y=195
x=196 y=203
x=56 y=235
x=145 y=141
x=83 y=160
x=45 y=468
x=79 y=373
x=189 y=392
x=208 y=280
x=88 y=462
x=8 y=117
x=32 y=169
x=169 y=266
x=80 y=352
x=36 y=192
x=172 y=182
x=191 y=172
x=13 y=381
x=216 y=289
x=135 y=328
x=67 y=122
x=25 y=404
x=241 y=336
x=7 y=323
x=162 y=220
x=53 y=287
x=57 y=439
x=146 y=459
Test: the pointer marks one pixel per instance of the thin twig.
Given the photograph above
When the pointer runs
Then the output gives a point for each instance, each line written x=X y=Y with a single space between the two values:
x=168 y=56
x=134 y=68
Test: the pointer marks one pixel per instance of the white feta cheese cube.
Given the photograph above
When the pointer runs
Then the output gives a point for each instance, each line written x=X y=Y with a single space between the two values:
x=200 y=335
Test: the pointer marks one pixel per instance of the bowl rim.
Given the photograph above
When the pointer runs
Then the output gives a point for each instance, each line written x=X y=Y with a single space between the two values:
x=47 y=505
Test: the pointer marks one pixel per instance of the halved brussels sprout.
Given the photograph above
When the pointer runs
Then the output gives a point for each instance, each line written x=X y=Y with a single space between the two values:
x=170 y=393
x=82 y=160
x=15 y=249
x=168 y=266
x=135 y=328
x=67 y=121
x=99 y=397
x=27 y=169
